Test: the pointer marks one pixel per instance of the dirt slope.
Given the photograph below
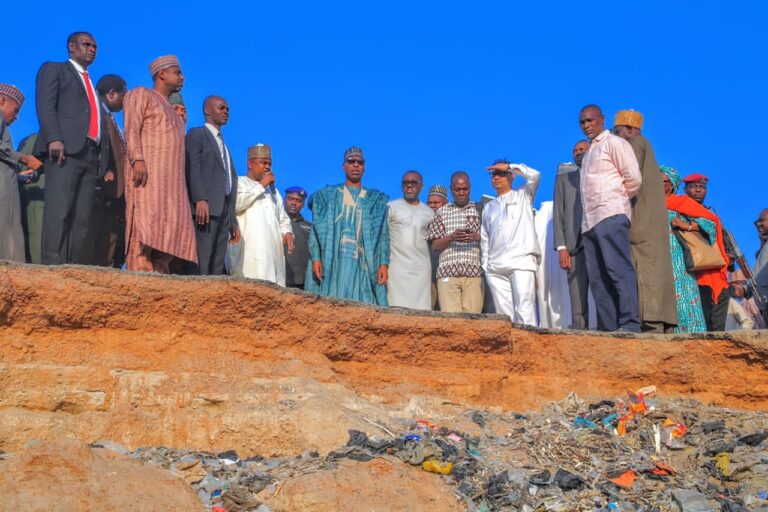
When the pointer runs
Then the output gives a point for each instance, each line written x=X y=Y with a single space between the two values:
x=217 y=363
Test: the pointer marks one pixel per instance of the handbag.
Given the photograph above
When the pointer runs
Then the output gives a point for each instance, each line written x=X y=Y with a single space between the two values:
x=698 y=254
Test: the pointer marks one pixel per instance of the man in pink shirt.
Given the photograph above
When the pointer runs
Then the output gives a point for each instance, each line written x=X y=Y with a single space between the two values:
x=610 y=178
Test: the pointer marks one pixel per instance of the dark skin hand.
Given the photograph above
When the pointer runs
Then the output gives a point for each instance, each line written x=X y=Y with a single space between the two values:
x=565 y=259
x=32 y=162
x=682 y=225
x=459 y=235
x=234 y=235
x=317 y=270
x=56 y=151
x=267 y=180
x=383 y=274
x=140 y=174
x=202 y=213
x=288 y=242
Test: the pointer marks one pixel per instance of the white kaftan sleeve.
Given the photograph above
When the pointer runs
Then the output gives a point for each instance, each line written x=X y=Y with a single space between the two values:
x=284 y=220
x=531 y=176
x=248 y=191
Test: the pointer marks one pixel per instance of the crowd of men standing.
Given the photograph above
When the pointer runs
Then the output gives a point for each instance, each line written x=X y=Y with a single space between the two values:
x=155 y=197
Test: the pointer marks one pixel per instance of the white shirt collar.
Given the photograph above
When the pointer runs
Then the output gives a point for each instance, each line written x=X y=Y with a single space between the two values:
x=80 y=69
x=602 y=135
x=215 y=131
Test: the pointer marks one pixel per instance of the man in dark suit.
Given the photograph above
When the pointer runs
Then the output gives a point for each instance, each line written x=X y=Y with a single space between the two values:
x=566 y=225
x=212 y=182
x=106 y=237
x=73 y=142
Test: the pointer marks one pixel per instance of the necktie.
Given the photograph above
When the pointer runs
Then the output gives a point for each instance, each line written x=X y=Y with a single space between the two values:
x=225 y=157
x=93 y=125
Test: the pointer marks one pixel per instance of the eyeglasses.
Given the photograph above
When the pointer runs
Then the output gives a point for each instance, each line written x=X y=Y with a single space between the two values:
x=411 y=183
x=352 y=161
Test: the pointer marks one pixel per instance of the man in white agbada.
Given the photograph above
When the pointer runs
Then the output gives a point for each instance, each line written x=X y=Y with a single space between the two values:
x=264 y=223
x=509 y=247
x=410 y=267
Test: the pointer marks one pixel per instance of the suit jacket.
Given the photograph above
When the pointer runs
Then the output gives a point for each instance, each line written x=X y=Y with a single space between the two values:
x=116 y=159
x=206 y=174
x=568 y=210
x=63 y=111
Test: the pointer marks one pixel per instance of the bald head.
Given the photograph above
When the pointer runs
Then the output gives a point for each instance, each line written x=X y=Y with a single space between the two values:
x=592 y=121
x=216 y=111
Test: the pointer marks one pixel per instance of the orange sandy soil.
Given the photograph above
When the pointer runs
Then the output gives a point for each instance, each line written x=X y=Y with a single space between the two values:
x=224 y=363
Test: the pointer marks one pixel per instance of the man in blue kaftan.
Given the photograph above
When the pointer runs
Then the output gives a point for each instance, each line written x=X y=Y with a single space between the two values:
x=349 y=241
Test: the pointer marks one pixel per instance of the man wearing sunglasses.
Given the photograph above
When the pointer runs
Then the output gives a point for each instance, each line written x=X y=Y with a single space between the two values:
x=349 y=241
x=509 y=247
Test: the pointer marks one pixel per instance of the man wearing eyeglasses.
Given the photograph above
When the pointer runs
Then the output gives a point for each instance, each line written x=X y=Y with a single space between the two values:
x=410 y=268
x=349 y=241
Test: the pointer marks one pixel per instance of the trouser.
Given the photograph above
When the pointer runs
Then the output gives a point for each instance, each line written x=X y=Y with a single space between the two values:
x=714 y=314
x=435 y=302
x=146 y=259
x=11 y=232
x=612 y=276
x=106 y=235
x=578 y=288
x=212 y=240
x=32 y=208
x=460 y=294
x=69 y=193
x=489 y=307
x=514 y=294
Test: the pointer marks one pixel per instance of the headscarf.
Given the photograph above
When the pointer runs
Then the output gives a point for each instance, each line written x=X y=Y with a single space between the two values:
x=716 y=279
x=674 y=177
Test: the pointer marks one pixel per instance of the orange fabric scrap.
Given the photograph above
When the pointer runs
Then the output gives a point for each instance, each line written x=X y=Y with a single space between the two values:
x=662 y=469
x=625 y=480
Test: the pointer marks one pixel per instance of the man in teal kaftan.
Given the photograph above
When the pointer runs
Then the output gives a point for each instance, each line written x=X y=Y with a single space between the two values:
x=349 y=241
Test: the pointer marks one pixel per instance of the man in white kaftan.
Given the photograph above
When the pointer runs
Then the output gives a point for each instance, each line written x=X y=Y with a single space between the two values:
x=264 y=223
x=509 y=248
x=410 y=266
x=551 y=282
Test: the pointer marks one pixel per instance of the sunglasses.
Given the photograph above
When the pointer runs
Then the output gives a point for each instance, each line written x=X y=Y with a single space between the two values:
x=500 y=173
x=411 y=183
x=353 y=161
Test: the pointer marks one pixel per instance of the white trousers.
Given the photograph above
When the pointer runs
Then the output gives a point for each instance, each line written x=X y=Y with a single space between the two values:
x=515 y=295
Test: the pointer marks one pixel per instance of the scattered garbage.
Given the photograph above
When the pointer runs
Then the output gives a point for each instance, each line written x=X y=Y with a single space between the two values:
x=637 y=453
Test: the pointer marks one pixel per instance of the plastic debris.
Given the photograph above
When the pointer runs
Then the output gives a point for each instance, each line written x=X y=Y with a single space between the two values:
x=433 y=466
x=671 y=434
x=624 y=480
x=607 y=455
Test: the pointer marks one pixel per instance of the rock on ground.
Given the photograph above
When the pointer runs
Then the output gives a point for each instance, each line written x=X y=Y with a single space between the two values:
x=71 y=476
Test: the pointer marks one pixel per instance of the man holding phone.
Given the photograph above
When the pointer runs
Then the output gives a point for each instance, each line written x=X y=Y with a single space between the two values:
x=455 y=231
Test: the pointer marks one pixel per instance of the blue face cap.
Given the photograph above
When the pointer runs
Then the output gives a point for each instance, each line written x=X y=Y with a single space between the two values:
x=296 y=190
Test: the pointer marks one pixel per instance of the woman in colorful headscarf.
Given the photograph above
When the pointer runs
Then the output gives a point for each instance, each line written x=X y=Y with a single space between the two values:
x=685 y=214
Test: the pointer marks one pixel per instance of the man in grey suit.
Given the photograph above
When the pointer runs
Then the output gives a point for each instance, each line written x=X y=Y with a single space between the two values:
x=212 y=183
x=567 y=232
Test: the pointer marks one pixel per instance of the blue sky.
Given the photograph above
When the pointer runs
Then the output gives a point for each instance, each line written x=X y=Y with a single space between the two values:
x=443 y=86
